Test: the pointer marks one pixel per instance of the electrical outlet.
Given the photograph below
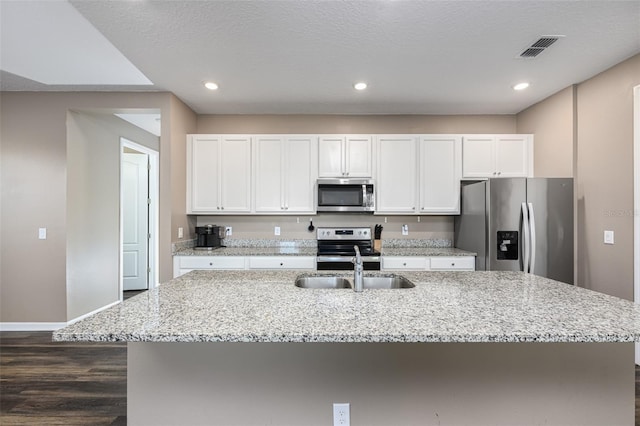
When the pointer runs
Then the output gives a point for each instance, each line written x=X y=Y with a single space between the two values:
x=228 y=231
x=405 y=229
x=180 y=232
x=42 y=233
x=341 y=415
x=276 y=230
x=608 y=237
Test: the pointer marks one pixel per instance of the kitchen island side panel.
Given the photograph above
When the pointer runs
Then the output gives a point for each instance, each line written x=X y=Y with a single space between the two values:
x=385 y=383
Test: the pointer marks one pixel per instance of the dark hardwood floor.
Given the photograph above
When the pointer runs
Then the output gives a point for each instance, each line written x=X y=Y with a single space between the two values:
x=60 y=383
x=51 y=383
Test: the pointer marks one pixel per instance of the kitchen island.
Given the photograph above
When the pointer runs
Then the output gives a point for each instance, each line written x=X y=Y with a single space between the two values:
x=248 y=347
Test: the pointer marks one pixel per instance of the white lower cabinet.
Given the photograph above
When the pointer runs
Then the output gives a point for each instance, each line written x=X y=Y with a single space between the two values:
x=184 y=264
x=453 y=263
x=434 y=263
x=412 y=263
x=282 y=262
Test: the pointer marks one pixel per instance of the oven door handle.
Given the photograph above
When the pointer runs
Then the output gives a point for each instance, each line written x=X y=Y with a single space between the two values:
x=347 y=258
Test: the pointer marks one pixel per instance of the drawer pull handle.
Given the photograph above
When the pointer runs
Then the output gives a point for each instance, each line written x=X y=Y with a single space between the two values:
x=453 y=264
x=210 y=263
x=281 y=263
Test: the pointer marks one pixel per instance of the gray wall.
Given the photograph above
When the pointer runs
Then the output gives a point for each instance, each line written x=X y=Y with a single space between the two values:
x=594 y=138
x=33 y=151
x=93 y=207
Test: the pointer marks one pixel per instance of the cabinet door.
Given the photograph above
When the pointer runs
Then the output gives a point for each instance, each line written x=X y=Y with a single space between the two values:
x=203 y=184
x=300 y=171
x=331 y=156
x=235 y=177
x=358 y=158
x=270 y=170
x=478 y=156
x=512 y=155
x=440 y=173
x=397 y=176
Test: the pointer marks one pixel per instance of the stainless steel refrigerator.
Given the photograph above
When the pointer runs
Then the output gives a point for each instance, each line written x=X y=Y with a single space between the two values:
x=519 y=224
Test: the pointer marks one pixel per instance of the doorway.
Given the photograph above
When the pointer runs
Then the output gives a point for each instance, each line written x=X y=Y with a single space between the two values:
x=138 y=217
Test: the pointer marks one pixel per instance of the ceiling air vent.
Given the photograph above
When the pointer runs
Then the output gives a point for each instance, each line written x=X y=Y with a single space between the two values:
x=539 y=46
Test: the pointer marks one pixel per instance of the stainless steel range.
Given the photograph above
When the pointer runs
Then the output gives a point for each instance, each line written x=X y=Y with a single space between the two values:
x=336 y=249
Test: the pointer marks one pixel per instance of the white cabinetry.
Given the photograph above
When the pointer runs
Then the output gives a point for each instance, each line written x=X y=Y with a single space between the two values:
x=397 y=174
x=404 y=263
x=489 y=156
x=440 y=174
x=285 y=173
x=218 y=174
x=425 y=263
x=184 y=264
x=282 y=262
x=345 y=156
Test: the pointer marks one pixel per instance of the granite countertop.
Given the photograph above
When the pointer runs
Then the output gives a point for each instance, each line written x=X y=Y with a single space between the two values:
x=312 y=251
x=250 y=251
x=265 y=306
x=425 y=251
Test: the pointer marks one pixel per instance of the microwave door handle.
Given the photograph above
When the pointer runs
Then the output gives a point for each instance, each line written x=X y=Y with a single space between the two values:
x=364 y=195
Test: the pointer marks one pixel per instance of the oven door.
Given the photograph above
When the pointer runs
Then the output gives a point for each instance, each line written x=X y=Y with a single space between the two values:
x=345 y=263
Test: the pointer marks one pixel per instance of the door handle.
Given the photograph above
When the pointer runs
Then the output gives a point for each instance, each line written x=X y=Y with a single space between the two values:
x=525 y=237
x=532 y=222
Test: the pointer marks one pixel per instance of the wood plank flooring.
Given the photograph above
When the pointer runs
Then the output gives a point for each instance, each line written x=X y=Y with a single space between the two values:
x=60 y=383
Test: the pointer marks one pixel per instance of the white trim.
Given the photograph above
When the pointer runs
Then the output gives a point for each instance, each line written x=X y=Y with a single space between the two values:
x=31 y=326
x=154 y=213
x=49 y=326
x=636 y=202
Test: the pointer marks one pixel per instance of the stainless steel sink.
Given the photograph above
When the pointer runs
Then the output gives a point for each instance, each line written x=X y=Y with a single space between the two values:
x=388 y=282
x=322 y=282
x=376 y=282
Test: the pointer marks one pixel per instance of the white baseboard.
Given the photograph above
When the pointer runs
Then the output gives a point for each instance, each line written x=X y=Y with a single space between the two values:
x=31 y=326
x=48 y=326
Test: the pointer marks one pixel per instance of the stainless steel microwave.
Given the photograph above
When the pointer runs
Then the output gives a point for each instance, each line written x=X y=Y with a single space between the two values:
x=346 y=195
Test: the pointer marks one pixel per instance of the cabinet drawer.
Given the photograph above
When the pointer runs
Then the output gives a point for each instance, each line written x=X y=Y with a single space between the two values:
x=212 y=262
x=282 y=262
x=409 y=263
x=457 y=263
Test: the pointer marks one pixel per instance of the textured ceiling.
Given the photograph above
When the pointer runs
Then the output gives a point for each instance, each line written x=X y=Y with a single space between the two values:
x=418 y=57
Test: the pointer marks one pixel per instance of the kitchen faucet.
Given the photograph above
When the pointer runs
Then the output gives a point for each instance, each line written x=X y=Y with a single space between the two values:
x=357 y=271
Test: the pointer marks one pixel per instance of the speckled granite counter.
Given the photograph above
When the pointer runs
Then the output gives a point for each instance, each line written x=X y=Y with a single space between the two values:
x=312 y=251
x=250 y=251
x=265 y=306
x=425 y=251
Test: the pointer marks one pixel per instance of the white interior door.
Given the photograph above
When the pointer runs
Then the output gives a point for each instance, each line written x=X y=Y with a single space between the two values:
x=135 y=221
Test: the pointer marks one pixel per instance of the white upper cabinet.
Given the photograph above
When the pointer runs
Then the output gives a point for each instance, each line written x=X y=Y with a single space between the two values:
x=285 y=173
x=440 y=174
x=489 y=156
x=397 y=174
x=218 y=174
x=345 y=156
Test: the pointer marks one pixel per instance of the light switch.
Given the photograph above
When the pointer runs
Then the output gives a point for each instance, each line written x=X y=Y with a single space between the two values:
x=42 y=233
x=608 y=237
x=277 y=230
x=180 y=233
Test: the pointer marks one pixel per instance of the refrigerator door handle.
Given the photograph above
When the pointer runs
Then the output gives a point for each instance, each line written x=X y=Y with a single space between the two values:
x=525 y=237
x=532 y=222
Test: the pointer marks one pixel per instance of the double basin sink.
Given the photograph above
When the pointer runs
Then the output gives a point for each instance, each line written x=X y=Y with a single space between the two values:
x=371 y=282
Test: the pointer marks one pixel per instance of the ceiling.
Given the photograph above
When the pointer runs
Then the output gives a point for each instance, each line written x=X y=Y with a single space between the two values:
x=303 y=57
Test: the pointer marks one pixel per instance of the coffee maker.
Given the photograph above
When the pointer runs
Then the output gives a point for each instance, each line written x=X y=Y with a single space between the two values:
x=210 y=237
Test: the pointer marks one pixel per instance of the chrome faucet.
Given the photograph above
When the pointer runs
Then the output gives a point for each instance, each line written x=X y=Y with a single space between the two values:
x=357 y=271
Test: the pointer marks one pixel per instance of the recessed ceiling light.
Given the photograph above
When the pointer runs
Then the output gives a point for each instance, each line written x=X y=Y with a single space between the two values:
x=360 y=86
x=520 y=86
x=211 y=85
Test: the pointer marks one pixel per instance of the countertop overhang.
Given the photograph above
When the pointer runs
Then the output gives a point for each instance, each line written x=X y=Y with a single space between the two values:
x=265 y=306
